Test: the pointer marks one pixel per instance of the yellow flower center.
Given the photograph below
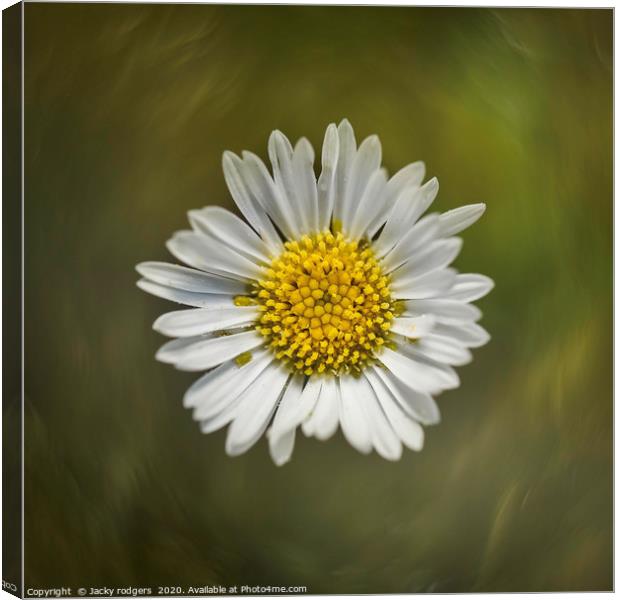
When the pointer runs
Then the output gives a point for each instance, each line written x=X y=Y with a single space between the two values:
x=325 y=305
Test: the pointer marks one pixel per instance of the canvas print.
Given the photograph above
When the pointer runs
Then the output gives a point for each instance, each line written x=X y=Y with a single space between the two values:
x=306 y=300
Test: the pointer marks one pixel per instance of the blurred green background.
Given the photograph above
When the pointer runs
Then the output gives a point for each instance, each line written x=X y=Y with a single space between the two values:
x=128 y=111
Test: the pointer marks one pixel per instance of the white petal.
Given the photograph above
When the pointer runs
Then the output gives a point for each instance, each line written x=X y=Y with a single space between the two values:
x=247 y=202
x=444 y=350
x=191 y=280
x=196 y=321
x=413 y=327
x=454 y=221
x=294 y=409
x=282 y=439
x=415 y=373
x=384 y=439
x=471 y=335
x=212 y=351
x=303 y=166
x=286 y=172
x=231 y=230
x=408 y=208
x=215 y=405
x=326 y=185
x=419 y=406
x=371 y=202
x=222 y=380
x=468 y=287
x=444 y=311
x=409 y=431
x=410 y=176
x=212 y=392
x=327 y=408
x=255 y=409
x=288 y=405
x=214 y=416
x=173 y=349
x=223 y=417
x=430 y=285
x=187 y=247
x=346 y=155
x=183 y=297
x=282 y=449
x=444 y=371
x=208 y=254
x=437 y=255
x=366 y=162
x=418 y=237
x=323 y=422
x=270 y=195
x=353 y=420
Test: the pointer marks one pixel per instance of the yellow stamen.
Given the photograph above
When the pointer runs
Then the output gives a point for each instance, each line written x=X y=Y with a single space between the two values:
x=331 y=302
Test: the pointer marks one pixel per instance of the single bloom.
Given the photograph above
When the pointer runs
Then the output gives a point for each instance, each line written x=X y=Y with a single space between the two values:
x=333 y=305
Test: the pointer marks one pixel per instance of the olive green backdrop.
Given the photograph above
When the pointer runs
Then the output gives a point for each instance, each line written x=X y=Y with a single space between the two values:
x=128 y=111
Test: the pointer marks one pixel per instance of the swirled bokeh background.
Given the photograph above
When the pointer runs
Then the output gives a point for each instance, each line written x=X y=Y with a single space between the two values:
x=128 y=111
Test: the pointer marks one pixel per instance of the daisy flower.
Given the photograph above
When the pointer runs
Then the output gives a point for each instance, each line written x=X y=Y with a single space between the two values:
x=333 y=303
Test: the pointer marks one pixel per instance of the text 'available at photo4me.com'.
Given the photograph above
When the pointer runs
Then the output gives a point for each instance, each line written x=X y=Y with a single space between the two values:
x=116 y=592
